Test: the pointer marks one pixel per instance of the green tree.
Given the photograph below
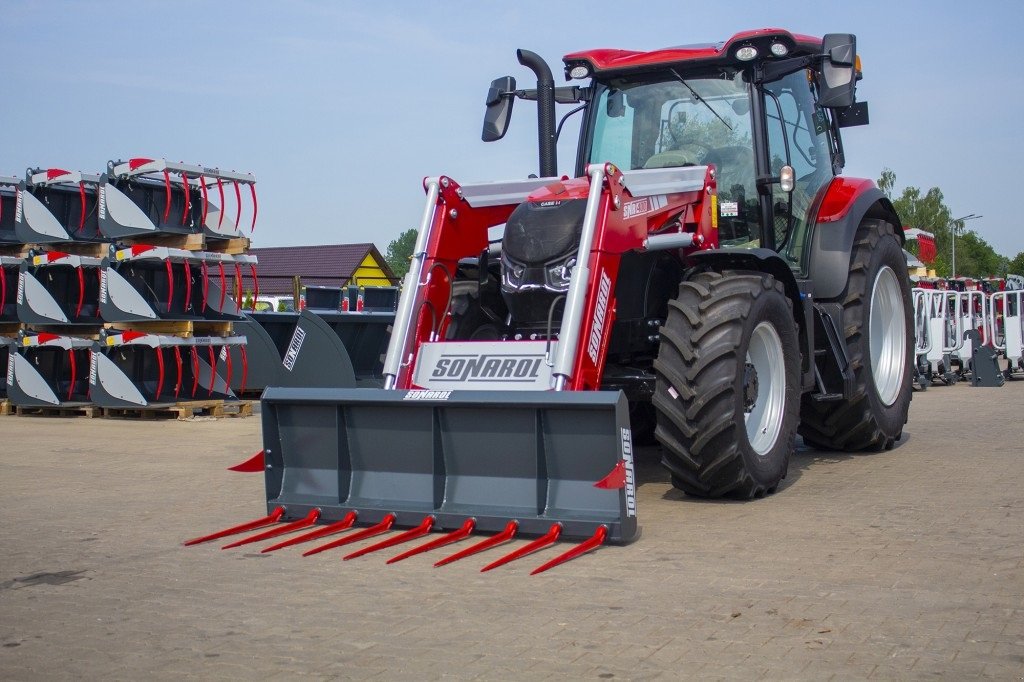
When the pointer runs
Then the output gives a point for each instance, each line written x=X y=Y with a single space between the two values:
x=399 y=252
x=928 y=211
x=1016 y=266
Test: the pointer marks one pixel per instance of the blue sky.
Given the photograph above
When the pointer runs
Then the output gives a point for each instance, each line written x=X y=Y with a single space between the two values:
x=340 y=109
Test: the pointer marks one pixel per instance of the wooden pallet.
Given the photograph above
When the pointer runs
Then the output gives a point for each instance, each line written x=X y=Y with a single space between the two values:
x=188 y=242
x=10 y=328
x=193 y=242
x=231 y=247
x=89 y=249
x=90 y=411
x=82 y=331
x=184 y=328
x=6 y=408
x=17 y=250
x=183 y=411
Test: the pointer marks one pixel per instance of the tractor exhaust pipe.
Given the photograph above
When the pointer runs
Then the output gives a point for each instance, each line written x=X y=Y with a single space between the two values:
x=545 y=111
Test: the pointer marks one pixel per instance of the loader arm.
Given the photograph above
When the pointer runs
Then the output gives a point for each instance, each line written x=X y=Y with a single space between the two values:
x=625 y=211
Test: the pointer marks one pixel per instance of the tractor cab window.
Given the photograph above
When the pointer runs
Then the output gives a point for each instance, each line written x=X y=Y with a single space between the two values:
x=798 y=136
x=685 y=121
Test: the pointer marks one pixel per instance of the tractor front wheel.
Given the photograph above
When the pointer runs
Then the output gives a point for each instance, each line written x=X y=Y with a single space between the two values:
x=728 y=385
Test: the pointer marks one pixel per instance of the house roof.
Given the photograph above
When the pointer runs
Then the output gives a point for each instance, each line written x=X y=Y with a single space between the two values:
x=320 y=265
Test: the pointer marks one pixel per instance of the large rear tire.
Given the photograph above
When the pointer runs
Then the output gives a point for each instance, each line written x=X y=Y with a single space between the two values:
x=728 y=385
x=877 y=319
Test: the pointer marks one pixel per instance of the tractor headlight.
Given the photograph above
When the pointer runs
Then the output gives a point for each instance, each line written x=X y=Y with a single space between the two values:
x=578 y=71
x=779 y=49
x=746 y=53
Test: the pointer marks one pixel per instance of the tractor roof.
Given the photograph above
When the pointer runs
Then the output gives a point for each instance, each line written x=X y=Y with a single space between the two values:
x=619 y=62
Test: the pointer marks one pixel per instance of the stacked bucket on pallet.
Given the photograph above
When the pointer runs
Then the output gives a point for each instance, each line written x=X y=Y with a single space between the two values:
x=122 y=285
x=963 y=333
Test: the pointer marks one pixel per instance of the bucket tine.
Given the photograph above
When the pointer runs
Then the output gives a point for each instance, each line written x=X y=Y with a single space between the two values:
x=543 y=541
x=252 y=465
x=323 y=531
x=419 y=531
x=448 y=538
x=270 y=518
x=382 y=527
x=595 y=541
x=487 y=543
x=308 y=520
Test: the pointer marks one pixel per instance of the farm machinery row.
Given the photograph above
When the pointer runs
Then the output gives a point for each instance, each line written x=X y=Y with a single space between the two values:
x=968 y=329
x=707 y=279
x=125 y=289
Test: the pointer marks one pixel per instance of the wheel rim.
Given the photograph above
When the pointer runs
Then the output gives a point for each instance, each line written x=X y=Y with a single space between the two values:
x=764 y=417
x=887 y=335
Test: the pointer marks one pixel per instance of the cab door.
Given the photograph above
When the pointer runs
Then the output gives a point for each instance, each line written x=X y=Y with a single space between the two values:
x=798 y=136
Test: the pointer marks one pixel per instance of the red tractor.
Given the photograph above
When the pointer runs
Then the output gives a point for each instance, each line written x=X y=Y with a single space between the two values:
x=707 y=278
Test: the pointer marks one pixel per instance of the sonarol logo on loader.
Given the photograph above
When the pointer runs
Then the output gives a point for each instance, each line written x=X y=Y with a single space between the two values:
x=298 y=336
x=627 y=458
x=505 y=368
x=427 y=395
x=600 y=311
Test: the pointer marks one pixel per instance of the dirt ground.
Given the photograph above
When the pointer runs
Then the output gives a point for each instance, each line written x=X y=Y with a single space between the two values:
x=901 y=564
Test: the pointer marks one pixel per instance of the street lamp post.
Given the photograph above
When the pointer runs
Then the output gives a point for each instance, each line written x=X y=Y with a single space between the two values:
x=952 y=235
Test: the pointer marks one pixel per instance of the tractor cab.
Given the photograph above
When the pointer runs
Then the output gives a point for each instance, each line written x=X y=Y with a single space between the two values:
x=763 y=108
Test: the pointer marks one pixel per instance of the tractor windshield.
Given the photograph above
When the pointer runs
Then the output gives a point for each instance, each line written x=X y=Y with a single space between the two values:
x=673 y=122
x=685 y=121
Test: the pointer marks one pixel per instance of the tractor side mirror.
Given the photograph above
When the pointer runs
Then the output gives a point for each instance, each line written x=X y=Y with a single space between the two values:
x=837 y=77
x=499 y=108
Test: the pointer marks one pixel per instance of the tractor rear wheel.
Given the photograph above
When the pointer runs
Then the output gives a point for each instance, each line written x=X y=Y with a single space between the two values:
x=877 y=319
x=728 y=385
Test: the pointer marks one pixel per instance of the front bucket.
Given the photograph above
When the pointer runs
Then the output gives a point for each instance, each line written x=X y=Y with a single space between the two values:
x=532 y=456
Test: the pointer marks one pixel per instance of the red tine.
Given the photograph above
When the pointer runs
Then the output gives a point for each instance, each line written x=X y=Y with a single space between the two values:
x=306 y=521
x=543 y=541
x=448 y=538
x=272 y=517
x=323 y=531
x=419 y=531
x=504 y=536
x=382 y=527
x=595 y=541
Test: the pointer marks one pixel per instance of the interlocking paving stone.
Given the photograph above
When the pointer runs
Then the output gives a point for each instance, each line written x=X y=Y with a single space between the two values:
x=900 y=564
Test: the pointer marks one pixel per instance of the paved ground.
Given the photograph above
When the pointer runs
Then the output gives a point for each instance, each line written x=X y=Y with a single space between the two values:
x=903 y=564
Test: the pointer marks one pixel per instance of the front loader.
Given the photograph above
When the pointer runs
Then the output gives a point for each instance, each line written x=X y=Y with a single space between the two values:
x=706 y=279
